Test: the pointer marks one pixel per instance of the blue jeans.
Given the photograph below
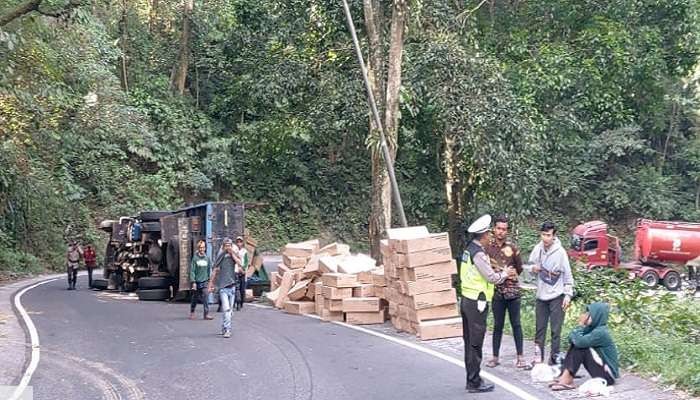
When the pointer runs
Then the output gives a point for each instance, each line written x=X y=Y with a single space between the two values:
x=226 y=297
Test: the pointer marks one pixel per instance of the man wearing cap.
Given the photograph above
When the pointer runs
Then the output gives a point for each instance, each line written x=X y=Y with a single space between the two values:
x=477 y=288
x=226 y=266
x=73 y=256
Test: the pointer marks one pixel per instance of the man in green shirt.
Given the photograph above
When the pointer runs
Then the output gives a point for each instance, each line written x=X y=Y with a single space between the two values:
x=200 y=270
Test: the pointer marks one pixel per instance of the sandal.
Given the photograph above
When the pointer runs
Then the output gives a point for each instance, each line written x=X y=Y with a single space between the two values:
x=529 y=366
x=493 y=363
x=558 y=387
x=520 y=364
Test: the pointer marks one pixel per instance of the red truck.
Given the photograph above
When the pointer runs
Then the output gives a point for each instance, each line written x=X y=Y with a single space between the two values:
x=658 y=247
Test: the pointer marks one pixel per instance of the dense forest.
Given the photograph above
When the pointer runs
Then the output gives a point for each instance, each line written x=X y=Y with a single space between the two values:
x=563 y=109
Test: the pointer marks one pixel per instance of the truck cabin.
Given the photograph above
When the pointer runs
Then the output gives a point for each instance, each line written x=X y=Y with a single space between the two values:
x=591 y=243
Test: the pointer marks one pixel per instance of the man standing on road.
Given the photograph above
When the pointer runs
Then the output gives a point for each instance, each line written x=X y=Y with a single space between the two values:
x=503 y=253
x=73 y=256
x=200 y=269
x=225 y=268
x=241 y=276
x=555 y=287
x=90 y=262
x=477 y=287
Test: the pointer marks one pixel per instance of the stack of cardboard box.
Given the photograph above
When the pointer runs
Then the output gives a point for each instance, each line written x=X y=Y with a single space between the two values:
x=418 y=269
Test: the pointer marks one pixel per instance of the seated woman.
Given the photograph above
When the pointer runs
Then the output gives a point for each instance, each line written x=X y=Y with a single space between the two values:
x=592 y=347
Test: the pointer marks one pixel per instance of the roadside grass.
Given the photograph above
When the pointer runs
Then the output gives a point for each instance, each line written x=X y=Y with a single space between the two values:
x=657 y=333
x=14 y=265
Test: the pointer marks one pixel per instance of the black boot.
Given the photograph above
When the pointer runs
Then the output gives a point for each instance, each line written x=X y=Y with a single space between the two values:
x=482 y=388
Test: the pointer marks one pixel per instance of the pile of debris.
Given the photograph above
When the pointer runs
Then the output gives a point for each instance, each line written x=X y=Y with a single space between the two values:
x=328 y=281
x=414 y=287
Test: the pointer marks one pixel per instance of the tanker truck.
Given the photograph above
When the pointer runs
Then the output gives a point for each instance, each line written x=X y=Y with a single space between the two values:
x=150 y=252
x=660 y=248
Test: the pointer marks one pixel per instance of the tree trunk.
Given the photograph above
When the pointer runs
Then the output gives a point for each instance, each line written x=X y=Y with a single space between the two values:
x=393 y=87
x=20 y=10
x=672 y=124
x=124 y=40
x=453 y=192
x=153 y=16
x=375 y=71
x=178 y=77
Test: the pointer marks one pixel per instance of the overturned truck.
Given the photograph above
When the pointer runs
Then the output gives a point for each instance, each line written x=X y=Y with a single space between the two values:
x=150 y=253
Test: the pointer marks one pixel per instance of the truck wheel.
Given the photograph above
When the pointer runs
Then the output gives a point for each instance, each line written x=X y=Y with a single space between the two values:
x=100 y=284
x=154 y=282
x=672 y=280
x=153 y=294
x=651 y=279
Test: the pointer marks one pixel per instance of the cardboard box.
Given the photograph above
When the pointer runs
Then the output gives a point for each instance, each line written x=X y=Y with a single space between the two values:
x=339 y=280
x=333 y=293
x=427 y=314
x=429 y=300
x=281 y=269
x=384 y=246
x=361 y=304
x=440 y=329
x=275 y=280
x=379 y=292
x=354 y=264
x=294 y=262
x=365 y=277
x=433 y=241
x=300 y=307
x=328 y=315
x=393 y=309
x=412 y=232
x=328 y=264
x=429 y=272
x=426 y=257
x=335 y=249
x=363 y=291
x=425 y=286
x=313 y=266
x=332 y=305
x=285 y=286
x=378 y=278
x=273 y=295
x=365 y=318
x=301 y=249
x=319 y=303
x=311 y=290
x=249 y=296
x=298 y=291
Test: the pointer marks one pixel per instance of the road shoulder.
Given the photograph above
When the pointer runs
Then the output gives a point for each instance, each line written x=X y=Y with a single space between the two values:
x=14 y=341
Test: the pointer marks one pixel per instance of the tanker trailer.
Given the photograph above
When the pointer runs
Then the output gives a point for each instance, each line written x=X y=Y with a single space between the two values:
x=660 y=248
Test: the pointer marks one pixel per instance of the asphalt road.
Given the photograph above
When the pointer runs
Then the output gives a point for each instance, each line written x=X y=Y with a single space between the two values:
x=100 y=345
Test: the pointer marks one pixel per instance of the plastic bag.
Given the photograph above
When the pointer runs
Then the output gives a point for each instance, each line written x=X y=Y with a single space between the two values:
x=595 y=387
x=542 y=372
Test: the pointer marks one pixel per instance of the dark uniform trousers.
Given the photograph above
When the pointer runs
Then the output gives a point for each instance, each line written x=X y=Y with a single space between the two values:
x=473 y=332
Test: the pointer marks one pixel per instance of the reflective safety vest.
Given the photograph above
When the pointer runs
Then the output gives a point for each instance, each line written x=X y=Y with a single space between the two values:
x=473 y=283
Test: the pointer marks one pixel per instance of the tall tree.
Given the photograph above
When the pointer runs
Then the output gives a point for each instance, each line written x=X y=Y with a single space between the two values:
x=385 y=79
x=178 y=77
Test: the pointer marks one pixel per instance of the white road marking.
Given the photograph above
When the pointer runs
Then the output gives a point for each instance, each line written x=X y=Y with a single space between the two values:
x=496 y=380
x=33 y=335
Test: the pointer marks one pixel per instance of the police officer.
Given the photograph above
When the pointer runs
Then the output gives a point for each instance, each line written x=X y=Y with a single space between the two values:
x=477 y=288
